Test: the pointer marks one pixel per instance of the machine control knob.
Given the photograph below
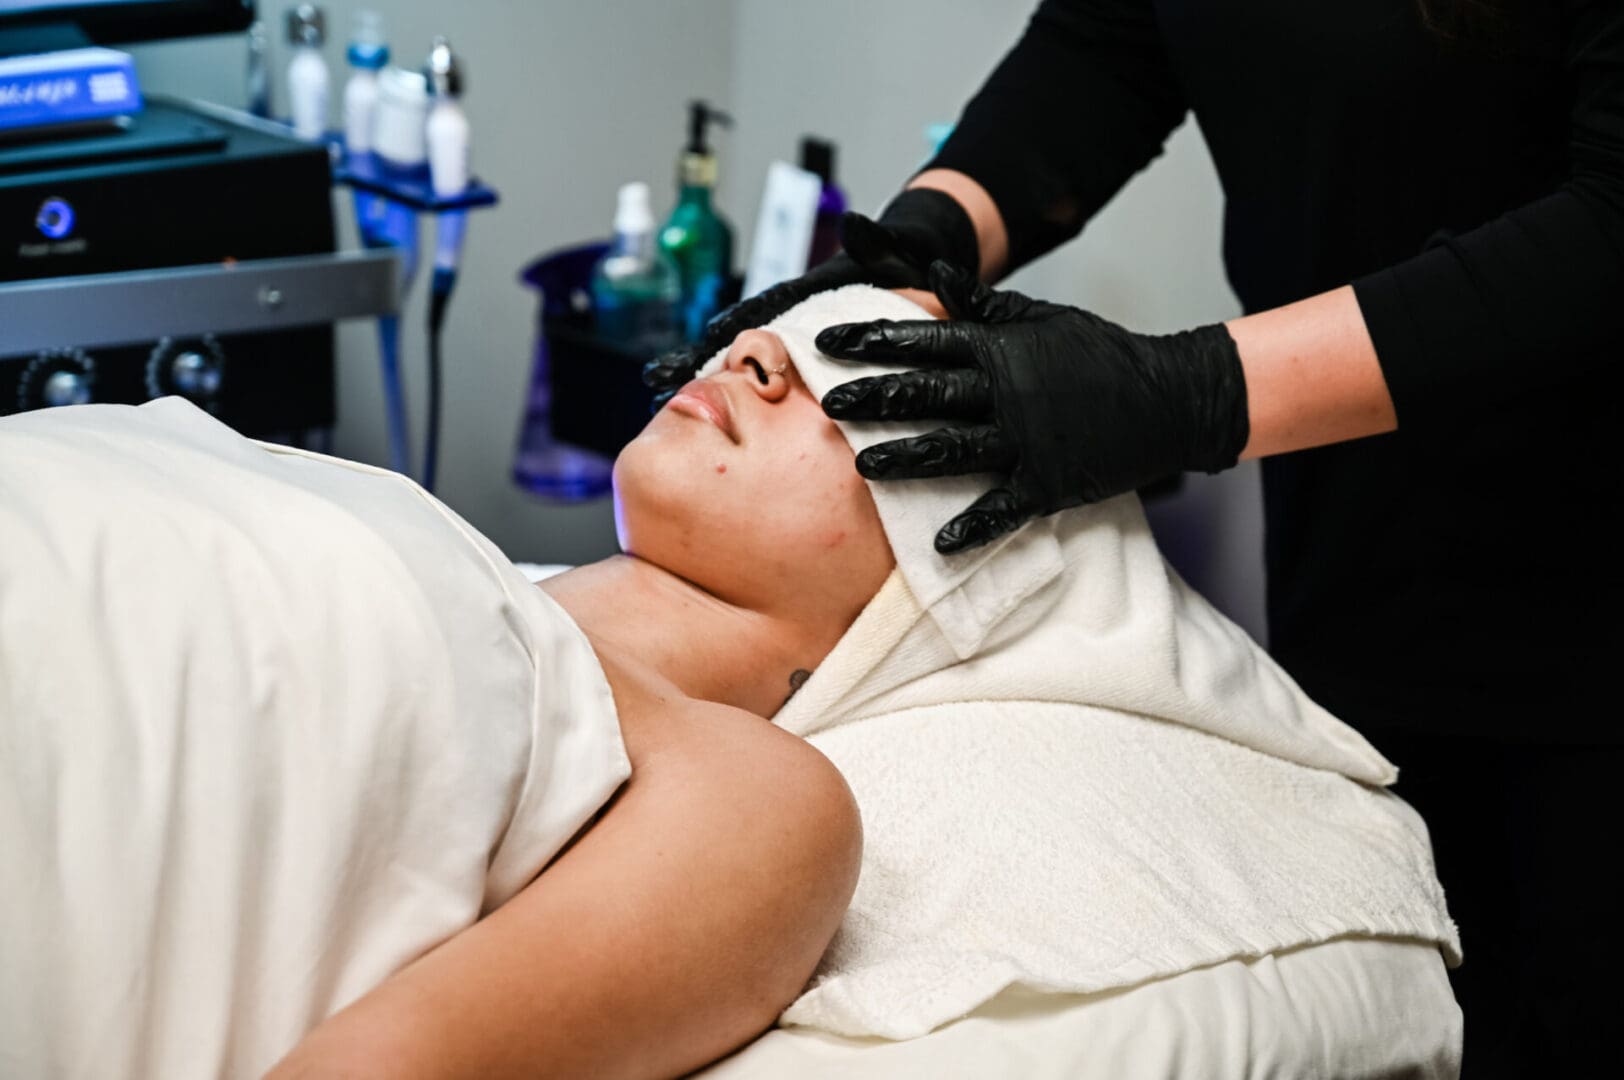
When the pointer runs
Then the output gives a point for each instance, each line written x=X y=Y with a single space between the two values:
x=57 y=377
x=194 y=368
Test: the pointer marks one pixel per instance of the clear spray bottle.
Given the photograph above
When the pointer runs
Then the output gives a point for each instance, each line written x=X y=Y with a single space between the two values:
x=636 y=287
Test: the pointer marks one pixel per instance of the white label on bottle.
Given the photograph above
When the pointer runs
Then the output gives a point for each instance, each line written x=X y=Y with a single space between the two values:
x=789 y=210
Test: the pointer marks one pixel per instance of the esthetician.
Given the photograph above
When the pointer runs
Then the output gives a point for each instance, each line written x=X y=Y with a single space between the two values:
x=1425 y=227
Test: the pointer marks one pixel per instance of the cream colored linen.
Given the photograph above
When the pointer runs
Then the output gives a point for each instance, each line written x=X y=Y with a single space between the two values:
x=271 y=726
x=1355 y=1009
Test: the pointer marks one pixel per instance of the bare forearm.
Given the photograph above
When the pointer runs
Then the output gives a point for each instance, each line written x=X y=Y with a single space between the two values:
x=1312 y=377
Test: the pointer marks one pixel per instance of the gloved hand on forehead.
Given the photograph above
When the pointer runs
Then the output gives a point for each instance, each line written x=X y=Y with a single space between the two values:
x=1068 y=407
x=919 y=227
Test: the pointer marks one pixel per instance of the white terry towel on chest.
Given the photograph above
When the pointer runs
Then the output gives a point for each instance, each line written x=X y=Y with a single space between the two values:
x=1074 y=773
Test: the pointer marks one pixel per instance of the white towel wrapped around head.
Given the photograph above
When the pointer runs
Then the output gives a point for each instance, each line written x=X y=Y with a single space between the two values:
x=1074 y=773
x=968 y=594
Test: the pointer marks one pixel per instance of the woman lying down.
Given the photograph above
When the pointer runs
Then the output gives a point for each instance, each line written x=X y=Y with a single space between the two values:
x=299 y=774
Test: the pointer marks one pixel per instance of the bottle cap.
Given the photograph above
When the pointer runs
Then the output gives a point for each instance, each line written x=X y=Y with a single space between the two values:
x=818 y=156
x=632 y=211
x=368 y=46
x=443 y=70
x=306 y=25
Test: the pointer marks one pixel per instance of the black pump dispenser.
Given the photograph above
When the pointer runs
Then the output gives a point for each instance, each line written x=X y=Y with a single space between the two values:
x=818 y=156
x=701 y=114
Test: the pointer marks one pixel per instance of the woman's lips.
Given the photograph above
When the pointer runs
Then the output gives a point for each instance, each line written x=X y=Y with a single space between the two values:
x=706 y=401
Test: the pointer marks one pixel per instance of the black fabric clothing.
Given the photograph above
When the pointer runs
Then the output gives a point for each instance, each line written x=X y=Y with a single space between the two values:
x=1460 y=574
x=1514 y=832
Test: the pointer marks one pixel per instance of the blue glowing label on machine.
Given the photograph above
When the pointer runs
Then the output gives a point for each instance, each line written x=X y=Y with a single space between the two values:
x=67 y=87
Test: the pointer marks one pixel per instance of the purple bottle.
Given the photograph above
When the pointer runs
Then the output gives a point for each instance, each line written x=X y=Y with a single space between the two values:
x=818 y=156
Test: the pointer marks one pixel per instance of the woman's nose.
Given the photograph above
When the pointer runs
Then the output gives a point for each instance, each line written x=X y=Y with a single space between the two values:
x=762 y=360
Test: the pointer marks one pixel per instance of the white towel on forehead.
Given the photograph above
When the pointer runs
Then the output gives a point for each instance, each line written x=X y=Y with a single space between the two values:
x=965 y=602
x=1074 y=773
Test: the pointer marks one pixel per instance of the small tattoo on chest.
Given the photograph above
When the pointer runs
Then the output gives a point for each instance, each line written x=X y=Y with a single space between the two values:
x=797 y=679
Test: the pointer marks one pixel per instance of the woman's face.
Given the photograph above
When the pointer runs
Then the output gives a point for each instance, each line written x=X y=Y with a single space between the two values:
x=741 y=485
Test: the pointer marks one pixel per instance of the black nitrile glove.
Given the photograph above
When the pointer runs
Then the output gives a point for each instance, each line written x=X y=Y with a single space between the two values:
x=919 y=227
x=1072 y=408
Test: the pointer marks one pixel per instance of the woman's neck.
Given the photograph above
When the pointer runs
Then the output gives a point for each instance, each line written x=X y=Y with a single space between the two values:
x=650 y=623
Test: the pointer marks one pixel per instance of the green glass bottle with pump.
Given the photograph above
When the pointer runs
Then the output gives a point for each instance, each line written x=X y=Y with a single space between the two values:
x=696 y=236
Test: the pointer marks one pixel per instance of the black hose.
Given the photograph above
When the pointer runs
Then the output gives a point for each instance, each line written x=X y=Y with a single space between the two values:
x=439 y=301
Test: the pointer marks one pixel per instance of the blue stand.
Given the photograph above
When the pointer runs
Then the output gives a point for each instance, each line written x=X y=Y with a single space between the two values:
x=409 y=187
x=388 y=200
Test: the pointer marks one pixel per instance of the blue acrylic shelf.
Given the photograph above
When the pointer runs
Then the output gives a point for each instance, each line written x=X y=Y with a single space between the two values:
x=409 y=187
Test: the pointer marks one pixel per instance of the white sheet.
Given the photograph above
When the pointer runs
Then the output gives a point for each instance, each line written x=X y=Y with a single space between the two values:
x=271 y=726
x=1349 y=1009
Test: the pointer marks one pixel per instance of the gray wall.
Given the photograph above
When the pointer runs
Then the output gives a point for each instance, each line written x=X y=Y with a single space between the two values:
x=569 y=99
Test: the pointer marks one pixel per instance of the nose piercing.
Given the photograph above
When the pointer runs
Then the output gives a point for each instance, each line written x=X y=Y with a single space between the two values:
x=781 y=368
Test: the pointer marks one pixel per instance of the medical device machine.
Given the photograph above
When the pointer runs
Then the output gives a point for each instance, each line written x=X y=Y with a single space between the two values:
x=59 y=24
x=184 y=249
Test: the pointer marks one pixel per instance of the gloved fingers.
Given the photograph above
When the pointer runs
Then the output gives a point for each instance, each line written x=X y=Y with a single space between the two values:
x=771 y=302
x=959 y=290
x=673 y=369
x=877 y=249
x=954 y=394
x=752 y=312
x=837 y=270
x=997 y=512
x=944 y=452
x=864 y=239
x=666 y=372
x=968 y=299
x=911 y=342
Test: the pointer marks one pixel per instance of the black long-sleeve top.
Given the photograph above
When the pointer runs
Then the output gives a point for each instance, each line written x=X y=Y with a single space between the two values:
x=1460 y=574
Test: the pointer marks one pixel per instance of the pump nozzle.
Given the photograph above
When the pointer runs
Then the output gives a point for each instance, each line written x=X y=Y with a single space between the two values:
x=307 y=25
x=443 y=70
x=701 y=114
x=368 y=48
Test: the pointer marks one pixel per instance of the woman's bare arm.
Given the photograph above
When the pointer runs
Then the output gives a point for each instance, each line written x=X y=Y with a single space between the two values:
x=675 y=930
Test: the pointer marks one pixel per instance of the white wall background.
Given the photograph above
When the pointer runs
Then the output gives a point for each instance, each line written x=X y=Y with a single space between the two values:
x=569 y=98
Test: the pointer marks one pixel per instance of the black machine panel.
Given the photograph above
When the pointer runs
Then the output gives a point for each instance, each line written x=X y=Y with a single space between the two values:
x=178 y=188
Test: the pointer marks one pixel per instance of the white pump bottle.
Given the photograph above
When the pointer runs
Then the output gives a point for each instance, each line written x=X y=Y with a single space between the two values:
x=447 y=132
x=307 y=72
x=367 y=53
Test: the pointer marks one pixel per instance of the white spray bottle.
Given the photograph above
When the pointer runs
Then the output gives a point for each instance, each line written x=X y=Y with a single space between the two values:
x=368 y=52
x=447 y=131
x=307 y=72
